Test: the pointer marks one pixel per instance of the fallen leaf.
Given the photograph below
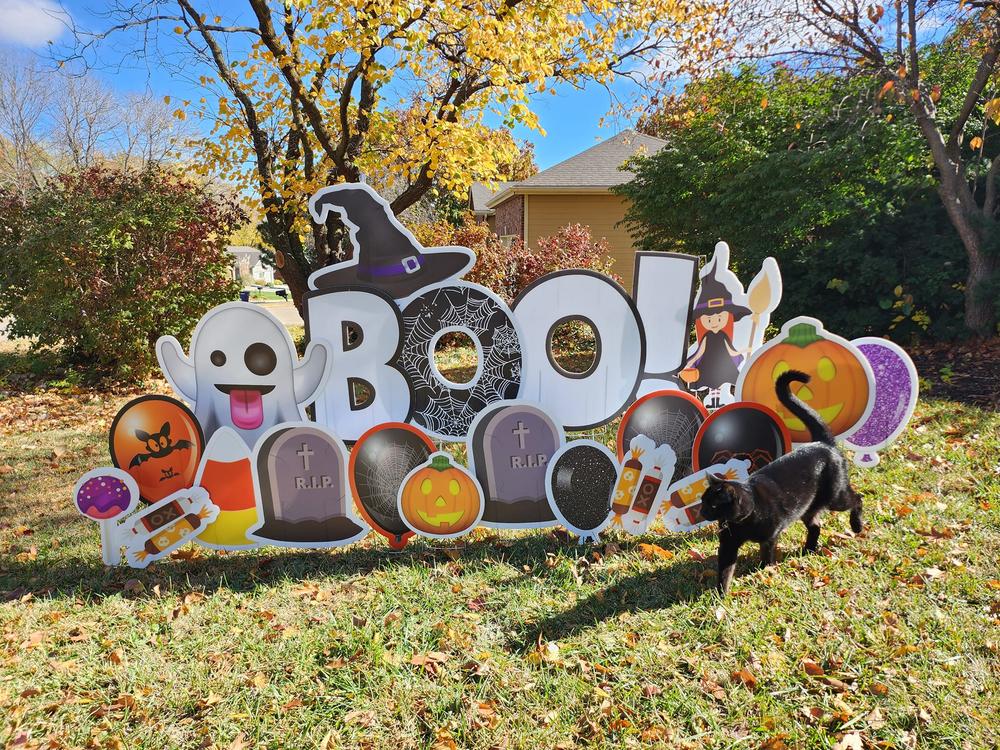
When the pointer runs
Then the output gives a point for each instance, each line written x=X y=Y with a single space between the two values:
x=850 y=741
x=360 y=718
x=746 y=677
x=654 y=551
x=812 y=668
x=777 y=742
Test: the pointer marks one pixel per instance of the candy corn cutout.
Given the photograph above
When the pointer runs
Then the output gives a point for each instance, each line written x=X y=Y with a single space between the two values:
x=227 y=474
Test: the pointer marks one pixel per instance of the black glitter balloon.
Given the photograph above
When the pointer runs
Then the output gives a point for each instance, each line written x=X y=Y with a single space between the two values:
x=670 y=417
x=380 y=462
x=741 y=430
x=581 y=483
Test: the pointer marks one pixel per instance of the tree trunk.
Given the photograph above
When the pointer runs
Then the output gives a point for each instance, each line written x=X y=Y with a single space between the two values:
x=968 y=220
x=980 y=306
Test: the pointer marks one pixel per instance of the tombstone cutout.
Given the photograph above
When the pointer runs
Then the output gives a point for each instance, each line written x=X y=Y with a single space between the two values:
x=303 y=494
x=510 y=447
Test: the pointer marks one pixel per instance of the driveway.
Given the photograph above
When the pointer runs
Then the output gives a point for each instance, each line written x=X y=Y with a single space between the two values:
x=286 y=312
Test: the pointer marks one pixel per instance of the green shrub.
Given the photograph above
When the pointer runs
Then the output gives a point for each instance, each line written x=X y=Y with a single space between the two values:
x=794 y=166
x=101 y=263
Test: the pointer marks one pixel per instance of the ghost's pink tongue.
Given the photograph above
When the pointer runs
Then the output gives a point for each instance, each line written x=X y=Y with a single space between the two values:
x=246 y=407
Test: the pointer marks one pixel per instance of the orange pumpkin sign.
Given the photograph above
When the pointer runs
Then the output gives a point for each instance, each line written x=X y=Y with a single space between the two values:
x=440 y=498
x=158 y=441
x=841 y=388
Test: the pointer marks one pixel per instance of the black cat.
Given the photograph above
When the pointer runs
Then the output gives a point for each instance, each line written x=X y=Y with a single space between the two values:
x=800 y=485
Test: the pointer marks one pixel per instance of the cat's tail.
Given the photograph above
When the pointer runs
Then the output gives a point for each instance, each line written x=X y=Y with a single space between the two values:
x=818 y=429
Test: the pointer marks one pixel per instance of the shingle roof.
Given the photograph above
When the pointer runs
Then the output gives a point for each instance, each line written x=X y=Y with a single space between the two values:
x=480 y=194
x=241 y=251
x=596 y=168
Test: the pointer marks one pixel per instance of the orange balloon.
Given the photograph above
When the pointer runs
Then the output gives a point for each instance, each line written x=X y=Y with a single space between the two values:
x=159 y=442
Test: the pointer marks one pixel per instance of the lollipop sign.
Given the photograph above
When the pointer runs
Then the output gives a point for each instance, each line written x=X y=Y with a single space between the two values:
x=104 y=495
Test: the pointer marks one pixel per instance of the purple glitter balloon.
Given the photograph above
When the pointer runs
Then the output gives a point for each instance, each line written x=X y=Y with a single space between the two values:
x=896 y=390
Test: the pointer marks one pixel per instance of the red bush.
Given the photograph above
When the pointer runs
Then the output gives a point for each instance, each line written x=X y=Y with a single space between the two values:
x=508 y=270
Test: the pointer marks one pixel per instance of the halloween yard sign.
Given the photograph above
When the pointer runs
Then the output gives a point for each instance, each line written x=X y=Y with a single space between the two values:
x=235 y=463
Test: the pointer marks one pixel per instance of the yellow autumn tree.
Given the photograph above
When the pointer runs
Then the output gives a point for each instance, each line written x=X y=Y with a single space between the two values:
x=305 y=93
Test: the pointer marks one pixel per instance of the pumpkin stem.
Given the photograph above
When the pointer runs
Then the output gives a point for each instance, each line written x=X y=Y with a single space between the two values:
x=802 y=335
x=440 y=463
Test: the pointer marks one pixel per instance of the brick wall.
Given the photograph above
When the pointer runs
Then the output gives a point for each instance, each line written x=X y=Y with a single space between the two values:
x=509 y=217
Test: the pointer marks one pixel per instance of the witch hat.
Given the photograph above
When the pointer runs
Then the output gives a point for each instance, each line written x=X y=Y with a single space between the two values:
x=713 y=297
x=386 y=255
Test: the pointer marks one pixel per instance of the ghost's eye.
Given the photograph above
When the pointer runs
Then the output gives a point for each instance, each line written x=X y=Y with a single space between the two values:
x=260 y=359
x=218 y=358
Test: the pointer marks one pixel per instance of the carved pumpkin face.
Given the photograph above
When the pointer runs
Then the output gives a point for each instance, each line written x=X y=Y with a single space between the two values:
x=440 y=499
x=838 y=390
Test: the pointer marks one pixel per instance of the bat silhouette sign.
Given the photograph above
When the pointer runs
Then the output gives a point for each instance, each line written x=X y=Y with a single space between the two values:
x=158 y=445
x=158 y=441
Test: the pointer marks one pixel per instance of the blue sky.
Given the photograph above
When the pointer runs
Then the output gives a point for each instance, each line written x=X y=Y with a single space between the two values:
x=571 y=118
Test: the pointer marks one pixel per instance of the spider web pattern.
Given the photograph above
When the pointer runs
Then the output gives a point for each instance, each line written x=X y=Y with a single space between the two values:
x=378 y=483
x=677 y=429
x=450 y=411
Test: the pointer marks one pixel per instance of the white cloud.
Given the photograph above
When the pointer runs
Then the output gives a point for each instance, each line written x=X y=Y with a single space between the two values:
x=31 y=23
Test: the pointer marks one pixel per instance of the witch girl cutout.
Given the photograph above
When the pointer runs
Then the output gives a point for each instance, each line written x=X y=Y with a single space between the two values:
x=729 y=325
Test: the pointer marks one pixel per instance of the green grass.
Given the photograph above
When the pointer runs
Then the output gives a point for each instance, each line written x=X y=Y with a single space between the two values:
x=512 y=640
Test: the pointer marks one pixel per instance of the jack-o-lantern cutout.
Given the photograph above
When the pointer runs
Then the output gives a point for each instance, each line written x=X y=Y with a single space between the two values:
x=840 y=387
x=440 y=498
x=158 y=441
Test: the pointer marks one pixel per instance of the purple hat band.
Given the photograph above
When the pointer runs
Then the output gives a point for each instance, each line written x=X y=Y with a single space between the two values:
x=409 y=265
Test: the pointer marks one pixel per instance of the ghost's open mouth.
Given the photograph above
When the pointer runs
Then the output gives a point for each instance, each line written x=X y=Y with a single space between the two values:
x=246 y=404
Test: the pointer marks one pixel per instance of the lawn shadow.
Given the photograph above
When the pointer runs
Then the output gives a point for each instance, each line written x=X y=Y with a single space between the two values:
x=209 y=572
x=674 y=582
x=59 y=574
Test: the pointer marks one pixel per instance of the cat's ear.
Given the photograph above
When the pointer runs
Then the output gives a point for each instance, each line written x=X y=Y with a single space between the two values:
x=716 y=479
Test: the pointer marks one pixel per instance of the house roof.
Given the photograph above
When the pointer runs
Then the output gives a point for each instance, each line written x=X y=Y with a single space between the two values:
x=239 y=252
x=480 y=194
x=597 y=169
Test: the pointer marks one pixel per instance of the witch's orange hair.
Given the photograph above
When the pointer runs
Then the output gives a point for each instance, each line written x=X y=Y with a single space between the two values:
x=700 y=330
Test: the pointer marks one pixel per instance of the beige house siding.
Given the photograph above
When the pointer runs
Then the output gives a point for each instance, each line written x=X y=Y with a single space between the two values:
x=547 y=214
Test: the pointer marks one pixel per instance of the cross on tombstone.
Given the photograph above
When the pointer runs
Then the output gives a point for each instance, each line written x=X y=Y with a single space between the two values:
x=304 y=453
x=520 y=431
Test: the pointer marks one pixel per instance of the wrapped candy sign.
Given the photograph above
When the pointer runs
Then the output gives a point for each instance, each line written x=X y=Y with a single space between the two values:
x=235 y=463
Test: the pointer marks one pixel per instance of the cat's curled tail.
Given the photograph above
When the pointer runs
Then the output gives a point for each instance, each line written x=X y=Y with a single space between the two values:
x=818 y=429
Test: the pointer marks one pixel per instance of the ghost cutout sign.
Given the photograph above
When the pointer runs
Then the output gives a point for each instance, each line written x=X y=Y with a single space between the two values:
x=380 y=462
x=896 y=391
x=243 y=372
x=509 y=447
x=301 y=487
x=580 y=481
x=684 y=513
